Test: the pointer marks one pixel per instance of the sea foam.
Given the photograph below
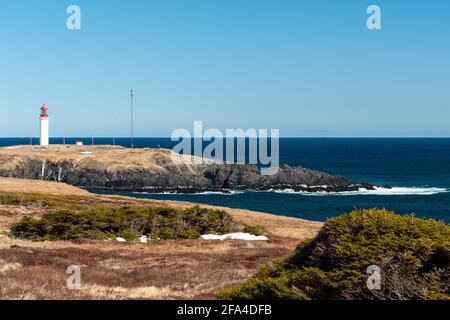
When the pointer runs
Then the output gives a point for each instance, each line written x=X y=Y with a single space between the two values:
x=378 y=191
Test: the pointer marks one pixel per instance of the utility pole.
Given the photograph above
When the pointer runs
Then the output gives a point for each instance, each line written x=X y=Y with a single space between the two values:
x=132 y=137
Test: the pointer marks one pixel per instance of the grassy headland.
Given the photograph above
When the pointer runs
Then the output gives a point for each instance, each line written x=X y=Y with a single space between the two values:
x=167 y=269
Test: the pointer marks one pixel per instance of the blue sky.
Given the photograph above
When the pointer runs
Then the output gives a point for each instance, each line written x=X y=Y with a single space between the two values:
x=309 y=68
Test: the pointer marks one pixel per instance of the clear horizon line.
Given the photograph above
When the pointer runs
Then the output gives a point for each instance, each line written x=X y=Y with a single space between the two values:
x=281 y=137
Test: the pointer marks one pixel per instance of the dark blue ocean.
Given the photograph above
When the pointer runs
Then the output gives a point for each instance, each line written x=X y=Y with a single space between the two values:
x=419 y=169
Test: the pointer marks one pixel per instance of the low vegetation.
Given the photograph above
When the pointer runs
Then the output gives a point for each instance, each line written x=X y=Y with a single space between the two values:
x=71 y=217
x=128 y=222
x=413 y=256
x=159 y=270
x=255 y=230
x=38 y=200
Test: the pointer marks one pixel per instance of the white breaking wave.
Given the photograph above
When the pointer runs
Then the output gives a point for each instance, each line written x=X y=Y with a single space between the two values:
x=223 y=193
x=378 y=191
x=228 y=193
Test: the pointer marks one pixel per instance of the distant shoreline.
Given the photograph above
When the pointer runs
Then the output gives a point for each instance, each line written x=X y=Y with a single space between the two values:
x=281 y=137
x=112 y=168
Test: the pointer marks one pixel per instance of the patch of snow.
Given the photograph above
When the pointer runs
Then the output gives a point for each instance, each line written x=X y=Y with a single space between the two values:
x=86 y=152
x=143 y=239
x=119 y=239
x=234 y=236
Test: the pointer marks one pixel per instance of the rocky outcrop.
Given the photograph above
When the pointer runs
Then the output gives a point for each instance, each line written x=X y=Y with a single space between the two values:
x=167 y=176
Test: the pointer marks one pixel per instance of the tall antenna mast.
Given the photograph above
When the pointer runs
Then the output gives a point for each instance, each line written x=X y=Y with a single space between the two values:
x=132 y=138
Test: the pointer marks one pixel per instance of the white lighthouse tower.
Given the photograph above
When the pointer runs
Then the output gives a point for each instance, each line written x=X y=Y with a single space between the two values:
x=44 y=125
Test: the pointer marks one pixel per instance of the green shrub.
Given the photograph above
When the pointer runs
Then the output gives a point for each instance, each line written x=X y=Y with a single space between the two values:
x=127 y=222
x=129 y=235
x=413 y=254
x=255 y=230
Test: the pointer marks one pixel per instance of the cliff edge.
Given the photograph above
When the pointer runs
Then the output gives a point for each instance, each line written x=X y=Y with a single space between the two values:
x=156 y=170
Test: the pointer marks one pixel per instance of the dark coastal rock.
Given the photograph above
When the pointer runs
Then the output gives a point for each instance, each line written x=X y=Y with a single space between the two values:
x=181 y=178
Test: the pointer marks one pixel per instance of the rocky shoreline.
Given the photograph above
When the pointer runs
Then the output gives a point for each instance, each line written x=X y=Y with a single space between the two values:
x=157 y=173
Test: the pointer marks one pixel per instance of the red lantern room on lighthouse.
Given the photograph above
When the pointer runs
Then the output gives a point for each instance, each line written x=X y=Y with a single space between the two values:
x=44 y=111
x=44 y=126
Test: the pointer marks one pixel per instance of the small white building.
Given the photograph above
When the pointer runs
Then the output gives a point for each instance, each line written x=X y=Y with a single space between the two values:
x=44 y=141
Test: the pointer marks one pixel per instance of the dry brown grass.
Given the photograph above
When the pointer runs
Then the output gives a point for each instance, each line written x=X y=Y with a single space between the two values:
x=182 y=269
x=36 y=186
x=175 y=269
x=105 y=157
